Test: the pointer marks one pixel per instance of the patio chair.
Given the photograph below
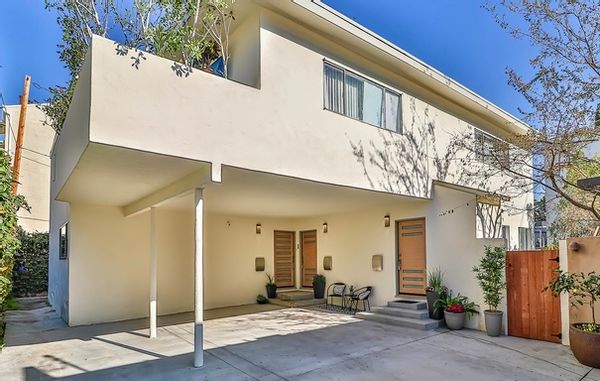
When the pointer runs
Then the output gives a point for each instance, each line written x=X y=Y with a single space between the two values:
x=336 y=290
x=362 y=294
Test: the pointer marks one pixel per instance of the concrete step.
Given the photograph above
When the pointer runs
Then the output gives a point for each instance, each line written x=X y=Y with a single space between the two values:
x=295 y=295
x=297 y=303
x=409 y=304
x=419 y=314
x=422 y=324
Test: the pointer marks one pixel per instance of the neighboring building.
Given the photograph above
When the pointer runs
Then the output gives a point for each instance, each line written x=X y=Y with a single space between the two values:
x=164 y=185
x=34 y=178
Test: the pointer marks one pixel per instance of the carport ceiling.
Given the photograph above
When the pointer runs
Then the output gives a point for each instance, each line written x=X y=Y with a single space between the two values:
x=250 y=193
x=107 y=175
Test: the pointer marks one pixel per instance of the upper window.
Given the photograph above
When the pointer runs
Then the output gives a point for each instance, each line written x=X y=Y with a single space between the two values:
x=491 y=150
x=350 y=94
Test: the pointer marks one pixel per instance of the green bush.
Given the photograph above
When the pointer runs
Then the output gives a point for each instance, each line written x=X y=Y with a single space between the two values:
x=9 y=242
x=30 y=270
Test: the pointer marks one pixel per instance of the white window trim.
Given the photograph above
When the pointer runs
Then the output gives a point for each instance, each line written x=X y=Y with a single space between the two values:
x=385 y=89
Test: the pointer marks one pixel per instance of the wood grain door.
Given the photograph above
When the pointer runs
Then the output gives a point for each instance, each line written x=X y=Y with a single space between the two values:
x=532 y=313
x=412 y=271
x=284 y=244
x=308 y=245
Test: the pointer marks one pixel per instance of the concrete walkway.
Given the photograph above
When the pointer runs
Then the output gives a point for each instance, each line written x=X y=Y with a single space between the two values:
x=284 y=344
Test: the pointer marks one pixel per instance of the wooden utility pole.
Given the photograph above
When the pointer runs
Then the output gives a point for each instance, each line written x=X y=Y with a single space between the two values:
x=20 y=132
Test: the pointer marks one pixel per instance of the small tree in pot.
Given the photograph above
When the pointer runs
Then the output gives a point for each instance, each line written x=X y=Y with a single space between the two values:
x=271 y=287
x=434 y=291
x=319 y=286
x=490 y=274
x=582 y=289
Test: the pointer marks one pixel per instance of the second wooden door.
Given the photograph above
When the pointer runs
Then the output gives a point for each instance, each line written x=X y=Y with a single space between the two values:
x=308 y=246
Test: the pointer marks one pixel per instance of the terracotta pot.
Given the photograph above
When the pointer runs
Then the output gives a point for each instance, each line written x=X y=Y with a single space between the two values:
x=455 y=320
x=585 y=346
x=493 y=322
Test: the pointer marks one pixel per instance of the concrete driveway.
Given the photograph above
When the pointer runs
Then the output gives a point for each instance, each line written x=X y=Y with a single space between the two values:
x=284 y=344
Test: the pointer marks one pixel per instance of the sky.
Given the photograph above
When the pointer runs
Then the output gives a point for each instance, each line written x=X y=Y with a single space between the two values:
x=457 y=37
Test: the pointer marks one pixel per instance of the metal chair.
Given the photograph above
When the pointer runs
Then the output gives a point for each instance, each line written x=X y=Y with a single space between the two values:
x=335 y=290
x=362 y=294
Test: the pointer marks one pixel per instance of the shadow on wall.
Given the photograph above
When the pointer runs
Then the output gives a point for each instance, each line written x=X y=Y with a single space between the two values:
x=408 y=162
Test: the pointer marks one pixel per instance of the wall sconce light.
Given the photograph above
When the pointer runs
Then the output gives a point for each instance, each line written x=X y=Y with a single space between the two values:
x=574 y=246
x=258 y=228
x=386 y=221
x=325 y=227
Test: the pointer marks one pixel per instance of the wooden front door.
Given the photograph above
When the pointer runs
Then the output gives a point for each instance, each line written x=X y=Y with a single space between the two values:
x=284 y=244
x=412 y=271
x=308 y=245
x=532 y=313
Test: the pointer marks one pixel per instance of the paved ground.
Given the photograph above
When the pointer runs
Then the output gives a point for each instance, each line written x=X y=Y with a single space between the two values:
x=284 y=344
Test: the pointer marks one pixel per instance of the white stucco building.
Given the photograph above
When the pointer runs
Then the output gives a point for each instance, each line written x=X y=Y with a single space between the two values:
x=34 y=179
x=166 y=188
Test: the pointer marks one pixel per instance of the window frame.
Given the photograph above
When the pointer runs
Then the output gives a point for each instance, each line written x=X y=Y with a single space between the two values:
x=63 y=245
x=384 y=88
x=480 y=148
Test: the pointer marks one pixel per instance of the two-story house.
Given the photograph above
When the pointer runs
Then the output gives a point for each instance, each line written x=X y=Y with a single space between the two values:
x=326 y=141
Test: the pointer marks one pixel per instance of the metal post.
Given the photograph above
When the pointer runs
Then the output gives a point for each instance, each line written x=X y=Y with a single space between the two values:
x=198 y=278
x=153 y=272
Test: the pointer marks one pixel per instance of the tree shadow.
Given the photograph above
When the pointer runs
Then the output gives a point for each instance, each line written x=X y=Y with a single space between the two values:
x=405 y=163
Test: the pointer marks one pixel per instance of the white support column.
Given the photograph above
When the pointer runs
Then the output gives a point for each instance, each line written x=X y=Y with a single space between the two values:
x=198 y=277
x=153 y=272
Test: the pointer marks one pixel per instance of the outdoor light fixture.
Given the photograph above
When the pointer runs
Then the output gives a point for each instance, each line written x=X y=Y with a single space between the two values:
x=325 y=227
x=386 y=221
x=574 y=246
x=258 y=228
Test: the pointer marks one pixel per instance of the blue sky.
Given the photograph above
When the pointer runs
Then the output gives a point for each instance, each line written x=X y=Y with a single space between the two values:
x=457 y=37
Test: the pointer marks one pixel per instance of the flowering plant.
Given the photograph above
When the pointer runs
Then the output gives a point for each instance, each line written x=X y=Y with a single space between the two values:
x=456 y=304
x=456 y=308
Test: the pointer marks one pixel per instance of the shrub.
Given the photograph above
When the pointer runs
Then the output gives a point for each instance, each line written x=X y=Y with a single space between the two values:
x=30 y=271
x=9 y=205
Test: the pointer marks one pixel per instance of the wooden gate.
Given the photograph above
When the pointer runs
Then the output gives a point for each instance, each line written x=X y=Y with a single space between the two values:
x=532 y=313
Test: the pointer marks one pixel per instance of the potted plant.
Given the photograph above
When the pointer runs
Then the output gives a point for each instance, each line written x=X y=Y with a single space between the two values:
x=260 y=299
x=319 y=286
x=435 y=290
x=585 y=336
x=490 y=275
x=271 y=287
x=456 y=310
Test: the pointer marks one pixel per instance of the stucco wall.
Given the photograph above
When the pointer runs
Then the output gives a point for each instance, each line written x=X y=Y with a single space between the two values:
x=34 y=177
x=283 y=119
x=58 y=270
x=109 y=262
x=586 y=259
x=117 y=249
